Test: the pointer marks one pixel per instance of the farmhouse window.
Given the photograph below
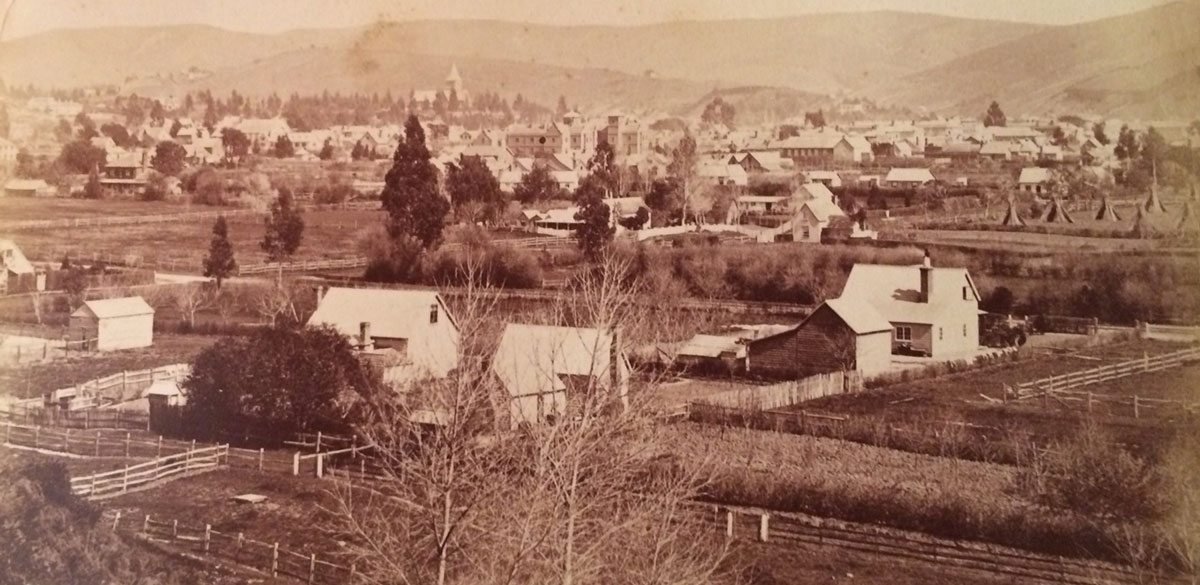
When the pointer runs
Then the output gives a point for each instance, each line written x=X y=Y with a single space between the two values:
x=903 y=333
x=939 y=333
x=433 y=313
x=964 y=329
x=965 y=293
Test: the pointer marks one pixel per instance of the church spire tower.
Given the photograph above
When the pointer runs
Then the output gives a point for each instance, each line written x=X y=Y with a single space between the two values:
x=454 y=80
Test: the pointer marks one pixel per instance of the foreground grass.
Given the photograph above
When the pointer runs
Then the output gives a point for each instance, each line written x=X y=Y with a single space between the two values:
x=940 y=496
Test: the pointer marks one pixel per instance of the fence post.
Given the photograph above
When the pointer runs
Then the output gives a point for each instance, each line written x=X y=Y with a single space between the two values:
x=239 y=544
x=312 y=567
x=320 y=465
x=175 y=529
x=126 y=445
x=296 y=463
x=318 y=441
x=275 y=560
x=207 y=536
x=125 y=382
x=158 y=450
x=116 y=520
x=729 y=523
x=146 y=524
x=1136 y=414
x=97 y=443
x=763 y=522
x=87 y=418
x=260 y=458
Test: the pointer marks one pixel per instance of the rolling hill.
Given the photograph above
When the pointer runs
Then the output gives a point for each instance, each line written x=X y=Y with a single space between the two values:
x=1135 y=64
x=1144 y=64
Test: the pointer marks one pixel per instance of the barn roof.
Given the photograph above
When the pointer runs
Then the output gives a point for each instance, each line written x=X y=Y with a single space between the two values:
x=112 y=308
x=392 y=313
x=859 y=315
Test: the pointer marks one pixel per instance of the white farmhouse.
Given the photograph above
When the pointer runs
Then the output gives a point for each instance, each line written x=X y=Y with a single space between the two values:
x=934 y=311
x=413 y=327
x=111 y=324
x=545 y=368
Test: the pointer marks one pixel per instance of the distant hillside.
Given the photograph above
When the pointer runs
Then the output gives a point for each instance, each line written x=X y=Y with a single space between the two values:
x=1140 y=64
x=1144 y=64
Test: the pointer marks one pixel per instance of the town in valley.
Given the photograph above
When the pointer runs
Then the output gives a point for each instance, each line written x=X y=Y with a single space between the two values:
x=305 y=292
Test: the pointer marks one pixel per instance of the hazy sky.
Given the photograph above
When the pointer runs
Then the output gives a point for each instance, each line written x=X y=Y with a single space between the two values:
x=25 y=17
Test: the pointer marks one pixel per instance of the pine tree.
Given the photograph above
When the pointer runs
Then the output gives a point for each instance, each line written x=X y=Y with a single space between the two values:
x=410 y=195
x=285 y=228
x=994 y=116
x=220 y=264
x=595 y=230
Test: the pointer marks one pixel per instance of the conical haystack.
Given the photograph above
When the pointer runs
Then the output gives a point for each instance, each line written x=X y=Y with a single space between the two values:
x=1153 y=204
x=1057 y=213
x=1141 y=225
x=1011 y=217
x=1187 y=220
x=1107 y=212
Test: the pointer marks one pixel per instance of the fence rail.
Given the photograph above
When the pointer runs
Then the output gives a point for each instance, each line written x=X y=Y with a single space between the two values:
x=798 y=529
x=1060 y=388
x=267 y=557
x=112 y=483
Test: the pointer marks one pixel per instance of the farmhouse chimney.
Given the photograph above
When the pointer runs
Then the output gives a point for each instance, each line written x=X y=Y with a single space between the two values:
x=926 y=278
x=364 y=336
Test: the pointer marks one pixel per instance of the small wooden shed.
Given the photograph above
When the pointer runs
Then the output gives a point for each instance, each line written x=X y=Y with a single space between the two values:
x=111 y=324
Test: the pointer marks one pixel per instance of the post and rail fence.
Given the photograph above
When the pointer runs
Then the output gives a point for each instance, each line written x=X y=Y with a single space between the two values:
x=114 y=483
x=1061 y=388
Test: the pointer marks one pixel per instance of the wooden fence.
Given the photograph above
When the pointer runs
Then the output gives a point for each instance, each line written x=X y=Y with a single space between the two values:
x=1059 y=389
x=1185 y=333
x=98 y=443
x=113 y=483
x=34 y=413
x=303 y=266
x=267 y=557
x=787 y=393
x=801 y=530
x=130 y=384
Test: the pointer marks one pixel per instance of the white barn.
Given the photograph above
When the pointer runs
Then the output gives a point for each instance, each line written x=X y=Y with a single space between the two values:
x=111 y=324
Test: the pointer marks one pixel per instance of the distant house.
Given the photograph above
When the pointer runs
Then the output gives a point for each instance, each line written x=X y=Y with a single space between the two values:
x=547 y=370
x=28 y=188
x=722 y=173
x=1035 y=180
x=841 y=334
x=16 y=272
x=932 y=310
x=561 y=222
x=759 y=161
x=124 y=174
x=824 y=146
x=763 y=204
x=830 y=179
x=8 y=151
x=112 y=324
x=997 y=150
x=812 y=217
x=909 y=177
x=722 y=353
x=411 y=332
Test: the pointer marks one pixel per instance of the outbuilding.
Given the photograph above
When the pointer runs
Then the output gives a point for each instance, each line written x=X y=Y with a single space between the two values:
x=841 y=334
x=111 y=324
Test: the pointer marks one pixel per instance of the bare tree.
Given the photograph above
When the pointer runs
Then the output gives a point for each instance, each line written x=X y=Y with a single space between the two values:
x=465 y=497
x=190 y=299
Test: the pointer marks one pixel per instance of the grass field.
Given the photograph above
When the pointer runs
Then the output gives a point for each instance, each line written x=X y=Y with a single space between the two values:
x=40 y=378
x=327 y=234
x=27 y=208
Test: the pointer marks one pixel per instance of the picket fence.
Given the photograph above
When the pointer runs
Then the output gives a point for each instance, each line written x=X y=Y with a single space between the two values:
x=303 y=266
x=789 y=393
x=112 y=483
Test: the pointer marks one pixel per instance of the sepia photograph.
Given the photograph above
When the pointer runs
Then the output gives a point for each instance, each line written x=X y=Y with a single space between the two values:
x=599 y=292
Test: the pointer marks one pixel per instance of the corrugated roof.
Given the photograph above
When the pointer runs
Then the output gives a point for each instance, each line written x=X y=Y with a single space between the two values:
x=391 y=313
x=111 y=308
x=532 y=359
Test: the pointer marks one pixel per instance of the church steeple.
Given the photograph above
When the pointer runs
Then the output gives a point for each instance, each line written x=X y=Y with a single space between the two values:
x=454 y=80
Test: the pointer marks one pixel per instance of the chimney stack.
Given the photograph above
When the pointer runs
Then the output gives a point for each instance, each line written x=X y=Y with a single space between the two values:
x=926 y=278
x=364 y=336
